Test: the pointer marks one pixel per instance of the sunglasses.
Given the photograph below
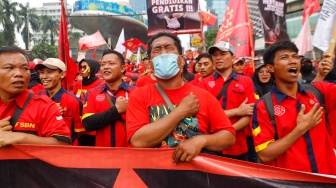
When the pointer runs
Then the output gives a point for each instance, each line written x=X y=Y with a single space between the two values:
x=83 y=67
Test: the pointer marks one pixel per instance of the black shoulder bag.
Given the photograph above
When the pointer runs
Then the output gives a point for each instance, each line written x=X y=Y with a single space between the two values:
x=189 y=133
x=18 y=111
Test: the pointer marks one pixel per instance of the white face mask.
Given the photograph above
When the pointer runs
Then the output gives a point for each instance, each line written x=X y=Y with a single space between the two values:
x=165 y=66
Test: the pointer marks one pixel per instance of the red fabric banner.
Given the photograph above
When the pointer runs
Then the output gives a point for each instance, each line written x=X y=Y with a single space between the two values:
x=91 y=41
x=208 y=19
x=71 y=166
x=132 y=44
x=310 y=6
x=64 y=51
x=236 y=28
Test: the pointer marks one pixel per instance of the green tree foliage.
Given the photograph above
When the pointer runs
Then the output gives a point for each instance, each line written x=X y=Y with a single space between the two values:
x=8 y=18
x=2 y=39
x=27 y=19
x=51 y=26
x=210 y=37
x=43 y=50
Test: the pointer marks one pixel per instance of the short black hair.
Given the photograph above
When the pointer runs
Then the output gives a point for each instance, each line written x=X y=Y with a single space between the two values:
x=120 y=56
x=177 y=42
x=12 y=50
x=203 y=55
x=269 y=53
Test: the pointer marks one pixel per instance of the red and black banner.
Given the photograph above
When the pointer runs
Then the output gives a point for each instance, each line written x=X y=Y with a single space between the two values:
x=66 y=166
x=174 y=16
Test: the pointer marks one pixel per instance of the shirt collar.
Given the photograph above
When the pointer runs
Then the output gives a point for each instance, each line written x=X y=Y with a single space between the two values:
x=57 y=97
x=232 y=75
x=280 y=96
x=123 y=86
x=21 y=99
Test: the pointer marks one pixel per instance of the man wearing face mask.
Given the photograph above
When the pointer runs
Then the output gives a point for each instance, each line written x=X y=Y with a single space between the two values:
x=307 y=70
x=150 y=122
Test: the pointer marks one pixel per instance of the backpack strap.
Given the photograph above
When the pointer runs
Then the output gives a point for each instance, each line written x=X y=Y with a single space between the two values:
x=270 y=110
x=170 y=105
x=223 y=90
x=18 y=110
x=319 y=96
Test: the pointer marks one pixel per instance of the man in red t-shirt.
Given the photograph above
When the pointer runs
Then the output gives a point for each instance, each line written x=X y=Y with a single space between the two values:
x=238 y=99
x=300 y=139
x=150 y=123
x=40 y=121
x=106 y=105
x=206 y=67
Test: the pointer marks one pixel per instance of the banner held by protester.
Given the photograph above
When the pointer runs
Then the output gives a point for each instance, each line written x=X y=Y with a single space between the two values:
x=66 y=166
x=177 y=17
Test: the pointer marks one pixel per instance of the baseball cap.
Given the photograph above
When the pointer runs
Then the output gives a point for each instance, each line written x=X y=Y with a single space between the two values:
x=51 y=63
x=239 y=59
x=258 y=62
x=223 y=46
x=303 y=60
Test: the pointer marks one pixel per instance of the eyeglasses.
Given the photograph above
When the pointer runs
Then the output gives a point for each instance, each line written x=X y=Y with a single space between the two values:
x=83 y=67
x=263 y=72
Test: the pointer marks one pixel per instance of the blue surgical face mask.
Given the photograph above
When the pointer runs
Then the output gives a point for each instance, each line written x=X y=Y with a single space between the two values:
x=165 y=66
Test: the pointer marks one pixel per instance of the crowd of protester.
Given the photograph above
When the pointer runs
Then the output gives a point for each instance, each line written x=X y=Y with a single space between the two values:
x=216 y=104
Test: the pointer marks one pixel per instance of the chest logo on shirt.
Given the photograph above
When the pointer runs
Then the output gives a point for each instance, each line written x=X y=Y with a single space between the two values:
x=211 y=84
x=100 y=97
x=279 y=110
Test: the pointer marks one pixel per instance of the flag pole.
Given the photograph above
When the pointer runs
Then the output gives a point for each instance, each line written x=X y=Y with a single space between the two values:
x=332 y=43
x=251 y=36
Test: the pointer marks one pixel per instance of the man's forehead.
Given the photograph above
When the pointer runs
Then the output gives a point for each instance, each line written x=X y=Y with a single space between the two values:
x=162 y=41
x=204 y=59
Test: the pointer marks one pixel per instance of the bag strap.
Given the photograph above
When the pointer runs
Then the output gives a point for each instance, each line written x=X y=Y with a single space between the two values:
x=319 y=96
x=170 y=105
x=270 y=110
x=18 y=110
x=112 y=104
x=223 y=90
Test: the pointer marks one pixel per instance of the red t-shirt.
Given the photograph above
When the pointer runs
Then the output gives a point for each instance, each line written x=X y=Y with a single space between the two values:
x=240 y=88
x=41 y=117
x=315 y=145
x=80 y=90
x=147 y=105
x=145 y=80
x=37 y=88
x=96 y=103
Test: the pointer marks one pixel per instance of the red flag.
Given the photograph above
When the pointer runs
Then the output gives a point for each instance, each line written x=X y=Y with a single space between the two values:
x=91 y=41
x=310 y=6
x=208 y=19
x=236 y=28
x=132 y=44
x=64 y=51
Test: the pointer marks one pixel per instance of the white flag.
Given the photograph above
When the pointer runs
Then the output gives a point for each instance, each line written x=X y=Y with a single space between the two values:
x=128 y=54
x=119 y=47
x=303 y=40
x=325 y=25
x=81 y=55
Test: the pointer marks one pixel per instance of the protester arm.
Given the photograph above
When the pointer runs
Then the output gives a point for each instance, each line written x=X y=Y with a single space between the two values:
x=324 y=67
x=242 y=123
x=8 y=138
x=97 y=121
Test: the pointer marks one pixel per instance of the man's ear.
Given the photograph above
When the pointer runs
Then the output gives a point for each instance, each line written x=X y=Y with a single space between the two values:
x=270 y=68
x=63 y=74
x=183 y=62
